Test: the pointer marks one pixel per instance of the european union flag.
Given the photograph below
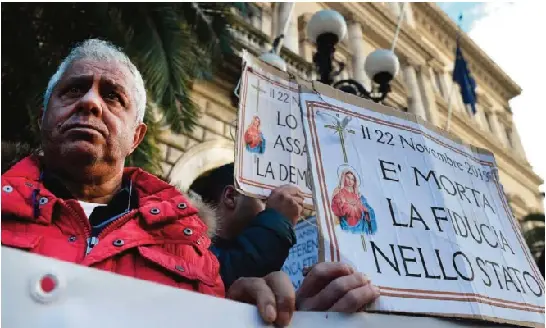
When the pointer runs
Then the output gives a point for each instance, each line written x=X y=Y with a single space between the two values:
x=461 y=76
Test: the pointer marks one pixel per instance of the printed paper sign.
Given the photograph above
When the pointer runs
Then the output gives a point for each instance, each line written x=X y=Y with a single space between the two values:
x=270 y=147
x=421 y=214
x=305 y=253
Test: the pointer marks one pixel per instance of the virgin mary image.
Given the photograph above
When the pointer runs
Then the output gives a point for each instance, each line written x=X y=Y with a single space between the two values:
x=354 y=213
x=254 y=138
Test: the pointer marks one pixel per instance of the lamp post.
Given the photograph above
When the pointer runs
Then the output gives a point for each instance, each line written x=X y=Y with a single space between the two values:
x=326 y=28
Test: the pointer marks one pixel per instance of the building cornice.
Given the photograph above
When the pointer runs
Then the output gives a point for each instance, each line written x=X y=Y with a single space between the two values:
x=473 y=52
x=521 y=171
x=379 y=24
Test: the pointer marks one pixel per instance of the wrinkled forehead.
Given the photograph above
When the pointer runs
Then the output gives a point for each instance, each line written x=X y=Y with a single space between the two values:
x=105 y=70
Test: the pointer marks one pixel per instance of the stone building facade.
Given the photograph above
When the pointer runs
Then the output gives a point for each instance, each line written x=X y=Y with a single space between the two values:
x=425 y=49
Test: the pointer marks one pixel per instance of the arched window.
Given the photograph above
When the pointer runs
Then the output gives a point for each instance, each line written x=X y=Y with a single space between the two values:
x=200 y=159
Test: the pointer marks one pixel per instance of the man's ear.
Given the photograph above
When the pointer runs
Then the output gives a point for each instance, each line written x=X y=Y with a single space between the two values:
x=228 y=198
x=138 y=136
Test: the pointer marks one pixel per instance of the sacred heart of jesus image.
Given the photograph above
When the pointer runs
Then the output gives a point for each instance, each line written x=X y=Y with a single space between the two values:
x=350 y=206
x=254 y=138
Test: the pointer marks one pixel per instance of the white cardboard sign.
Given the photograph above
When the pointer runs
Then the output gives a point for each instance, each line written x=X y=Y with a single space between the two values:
x=424 y=216
x=270 y=146
x=305 y=253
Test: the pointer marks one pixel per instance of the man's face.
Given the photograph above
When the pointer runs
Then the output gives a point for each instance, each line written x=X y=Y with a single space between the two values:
x=236 y=211
x=247 y=208
x=91 y=115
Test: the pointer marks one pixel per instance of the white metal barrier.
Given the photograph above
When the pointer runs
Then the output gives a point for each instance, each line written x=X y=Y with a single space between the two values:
x=42 y=292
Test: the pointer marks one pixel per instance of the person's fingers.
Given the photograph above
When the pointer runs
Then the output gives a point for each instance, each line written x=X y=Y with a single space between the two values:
x=255 y=291
x=334 y=291
x=298 y=197
x=306 y=270
x=356 y=299
x=321 y=275
x=285 y=296
x=294 y=190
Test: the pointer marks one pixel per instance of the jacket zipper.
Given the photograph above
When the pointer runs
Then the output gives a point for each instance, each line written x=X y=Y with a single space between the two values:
x=116 y=224
x=93 y=241
x=86 y=228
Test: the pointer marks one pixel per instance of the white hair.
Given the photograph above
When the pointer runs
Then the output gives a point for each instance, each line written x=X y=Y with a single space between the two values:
x=100 y=50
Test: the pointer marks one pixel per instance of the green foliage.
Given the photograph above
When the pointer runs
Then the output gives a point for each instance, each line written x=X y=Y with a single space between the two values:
x=533 y=231
x=172 y=44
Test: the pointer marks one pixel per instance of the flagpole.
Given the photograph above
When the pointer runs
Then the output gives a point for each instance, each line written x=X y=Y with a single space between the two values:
x=449 y=97
x=398 y=26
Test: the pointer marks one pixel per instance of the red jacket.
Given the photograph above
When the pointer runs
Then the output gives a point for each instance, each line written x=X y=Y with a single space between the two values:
x=163 y=241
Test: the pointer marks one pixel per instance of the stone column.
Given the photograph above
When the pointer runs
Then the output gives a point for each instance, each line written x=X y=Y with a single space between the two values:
x=428 y=97
x=516 y=142
x=267 y=19
x=480 y=117
x=446 y=84
x=358 y=52
x=450 y=86
x=415 y=104
x=409 y=14
x=291 y=38
x=497 y=128
x=395 y=7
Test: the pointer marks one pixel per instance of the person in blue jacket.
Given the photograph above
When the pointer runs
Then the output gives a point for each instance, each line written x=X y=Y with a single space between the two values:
x=254 y=236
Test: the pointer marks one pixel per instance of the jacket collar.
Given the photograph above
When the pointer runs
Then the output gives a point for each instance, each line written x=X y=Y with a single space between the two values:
x=28 y=195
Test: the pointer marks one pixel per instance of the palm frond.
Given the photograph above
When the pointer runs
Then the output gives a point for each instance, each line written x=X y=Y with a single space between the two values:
x=534 y=217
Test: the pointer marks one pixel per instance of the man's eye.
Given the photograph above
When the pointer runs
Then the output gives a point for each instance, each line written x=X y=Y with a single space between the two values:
x=113 y=96
x=73 y=90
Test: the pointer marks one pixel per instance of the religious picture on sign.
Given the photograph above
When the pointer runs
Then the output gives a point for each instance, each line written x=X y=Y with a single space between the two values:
x=351 y=207
x=254 y=138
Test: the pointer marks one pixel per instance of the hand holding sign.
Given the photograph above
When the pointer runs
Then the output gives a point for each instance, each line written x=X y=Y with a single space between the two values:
x=335 y=287
x=287 y=200
x=273 y=294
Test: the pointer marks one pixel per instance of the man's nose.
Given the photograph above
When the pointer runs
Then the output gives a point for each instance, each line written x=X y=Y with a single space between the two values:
x=91 y=103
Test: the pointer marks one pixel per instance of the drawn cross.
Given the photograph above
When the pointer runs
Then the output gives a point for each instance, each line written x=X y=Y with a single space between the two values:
x=340 y=127
x=258 y=90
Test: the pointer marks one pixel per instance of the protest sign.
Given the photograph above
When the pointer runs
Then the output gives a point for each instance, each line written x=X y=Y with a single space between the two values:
x=422 y=214
x=305 y=253
x=87 y=298
x=270 y=146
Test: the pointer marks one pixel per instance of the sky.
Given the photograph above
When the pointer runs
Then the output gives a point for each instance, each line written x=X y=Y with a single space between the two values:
x=509 y=33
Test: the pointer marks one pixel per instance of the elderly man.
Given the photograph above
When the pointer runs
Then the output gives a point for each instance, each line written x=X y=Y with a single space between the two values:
x=78 y=203
x=254 y=239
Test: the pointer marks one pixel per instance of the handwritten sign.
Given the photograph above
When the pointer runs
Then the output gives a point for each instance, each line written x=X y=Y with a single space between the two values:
x=270 y=147
x=305 y=253
x=420 y=213
x=86 y=296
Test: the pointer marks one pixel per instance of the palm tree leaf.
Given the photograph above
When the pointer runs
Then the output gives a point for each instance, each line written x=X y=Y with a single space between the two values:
x=534 y=217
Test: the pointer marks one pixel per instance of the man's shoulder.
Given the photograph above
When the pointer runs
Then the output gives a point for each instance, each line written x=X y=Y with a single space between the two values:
x=151 y=186
x=14 y=152
x=27 y=168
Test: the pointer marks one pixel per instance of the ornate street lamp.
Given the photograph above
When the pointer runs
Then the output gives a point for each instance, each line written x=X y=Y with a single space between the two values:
x=326 y=28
